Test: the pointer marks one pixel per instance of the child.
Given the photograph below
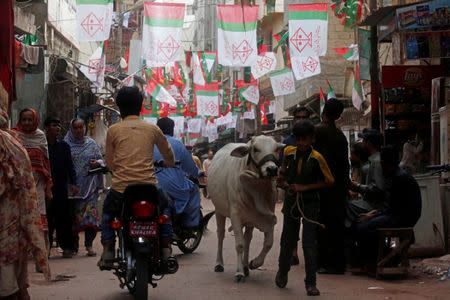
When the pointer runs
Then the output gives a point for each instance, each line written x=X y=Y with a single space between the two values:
x=303 y=174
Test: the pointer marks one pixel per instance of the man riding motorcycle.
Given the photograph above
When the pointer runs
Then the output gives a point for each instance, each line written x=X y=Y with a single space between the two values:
x=174 y=181
x=129 y=155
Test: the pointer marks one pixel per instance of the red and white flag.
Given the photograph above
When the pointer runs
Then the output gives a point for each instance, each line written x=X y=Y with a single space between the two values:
x=305 y=66
x=94 y=18
x=207 y=99
x=264 y=64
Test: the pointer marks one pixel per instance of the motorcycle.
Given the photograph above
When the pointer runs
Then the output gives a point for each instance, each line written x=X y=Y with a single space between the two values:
x=139 y=261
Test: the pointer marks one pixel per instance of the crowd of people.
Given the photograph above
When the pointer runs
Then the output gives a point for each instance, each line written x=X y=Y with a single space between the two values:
x=47 y=191
x=340 y=212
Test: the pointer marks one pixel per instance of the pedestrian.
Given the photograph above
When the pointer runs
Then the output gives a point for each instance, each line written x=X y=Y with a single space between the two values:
x=404 y=207
x=206 y=164
x=86 y=155
x=332 y=144
x=20 y=223
x=300 y=113
x=60 y=211
x=304 y=173
x=35 y=142
x=411 y=152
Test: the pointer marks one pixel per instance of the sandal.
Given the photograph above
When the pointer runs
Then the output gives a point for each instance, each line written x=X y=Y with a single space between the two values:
x=312 y=291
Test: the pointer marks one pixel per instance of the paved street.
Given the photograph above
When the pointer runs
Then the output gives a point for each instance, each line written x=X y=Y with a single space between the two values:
x=197 y=280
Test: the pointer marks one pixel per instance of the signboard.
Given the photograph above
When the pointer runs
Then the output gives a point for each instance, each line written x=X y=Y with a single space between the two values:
x=424 y=15
x=410 y=76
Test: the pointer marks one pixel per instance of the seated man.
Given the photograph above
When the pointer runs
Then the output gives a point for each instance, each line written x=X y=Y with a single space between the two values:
x=175 y=182
x=129 y=155
x=404 y=206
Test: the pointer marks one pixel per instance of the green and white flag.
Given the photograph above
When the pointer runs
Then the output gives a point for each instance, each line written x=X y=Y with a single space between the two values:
x=250 y=93
x=207 y=100
x=93 y=19
x=282 y=82
x=348 y=53
x=358 y=91
x=158 y=92
x=308 y=29
x=162 y=33
x=197 y=71
x=236 y=35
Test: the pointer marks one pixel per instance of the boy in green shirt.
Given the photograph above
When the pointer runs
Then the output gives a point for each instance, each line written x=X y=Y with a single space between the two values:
x=303 y=174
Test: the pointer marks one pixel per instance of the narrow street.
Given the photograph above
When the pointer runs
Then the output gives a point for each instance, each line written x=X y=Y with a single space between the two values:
x=197 y=280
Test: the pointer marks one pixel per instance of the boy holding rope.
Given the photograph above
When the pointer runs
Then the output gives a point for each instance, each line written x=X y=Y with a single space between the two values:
x=303 y=174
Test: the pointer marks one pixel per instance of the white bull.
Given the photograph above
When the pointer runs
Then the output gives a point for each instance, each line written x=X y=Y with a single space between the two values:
x=241 y=186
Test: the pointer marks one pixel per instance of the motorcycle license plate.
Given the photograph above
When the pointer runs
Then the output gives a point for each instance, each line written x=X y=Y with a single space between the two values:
x=143 y=229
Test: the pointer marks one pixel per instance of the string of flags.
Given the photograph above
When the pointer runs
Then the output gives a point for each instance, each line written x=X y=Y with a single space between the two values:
x=187 y=85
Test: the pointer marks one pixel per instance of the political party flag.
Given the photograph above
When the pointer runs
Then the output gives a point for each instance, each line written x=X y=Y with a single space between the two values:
x=305 y=66
x=358 y=91
x=94 y=18
x=264 y=64
x=207 y=99
x=208 y=59
x=95 y=70
x=161 y=37
x=179 y=78
x=282 y=82
x=348 y=53
x=308 y=29
x=194 y=125
x=236 y=35
x=348 y=11
x=197 y=70
x=331 y=93
x=250 y=93
x=322 y=100
x=158 y=92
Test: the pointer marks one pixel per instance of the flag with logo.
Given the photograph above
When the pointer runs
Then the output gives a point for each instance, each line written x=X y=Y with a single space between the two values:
x=358 y=91
x=207 y=99
x=208 y=60
x=94 y=18
x=308 y=29
x=95 y=70
x=194 y=125
x=159 y=93
x=236 y=35
x=162 y=33
x=197 y=70
x=348 y=53
x=305 y=66
x=282 y=82
x=250 y=93
x=264 y=64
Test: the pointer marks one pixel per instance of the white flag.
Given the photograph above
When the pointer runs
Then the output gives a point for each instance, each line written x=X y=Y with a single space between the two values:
x=94 y=18
x=194 y=125
x=251 y=93
x=264 y=64
x=207 y=100
x=308 y=29
x=282 y=82
x=198 y=76
x=95 y=70
x=305 y=67
x=178 y=130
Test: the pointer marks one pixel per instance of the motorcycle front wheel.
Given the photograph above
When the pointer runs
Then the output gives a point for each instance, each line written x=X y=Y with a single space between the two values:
x=141 y=283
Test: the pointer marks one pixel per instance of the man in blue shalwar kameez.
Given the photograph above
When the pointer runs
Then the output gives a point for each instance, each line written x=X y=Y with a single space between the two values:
x=175 y=181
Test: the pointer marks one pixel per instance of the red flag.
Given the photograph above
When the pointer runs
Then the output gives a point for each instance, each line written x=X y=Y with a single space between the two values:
x=322 y=95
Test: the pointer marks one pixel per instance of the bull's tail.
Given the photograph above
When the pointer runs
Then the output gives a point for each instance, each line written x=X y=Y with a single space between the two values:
x=204 y=221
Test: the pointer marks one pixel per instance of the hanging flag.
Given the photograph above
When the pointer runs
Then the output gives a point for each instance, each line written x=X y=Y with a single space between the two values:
x=358 y=91
x=161 y=37
x=304 y=67
x=208 y=59
x=158 y=92
x=95 y=70
x=264 y=64
x=197 y=70
x=250 y=93
x=194 y=125
x=236 y=34
x=348 y=53
x=179 y=79
x=308 y=29
x=331 y=93
x=322 y=100
x=178 y=130
x=281 y=39
x=264 y=109
x=282 y=82
x=94 y=18
x=207 y=99
x=348 y=11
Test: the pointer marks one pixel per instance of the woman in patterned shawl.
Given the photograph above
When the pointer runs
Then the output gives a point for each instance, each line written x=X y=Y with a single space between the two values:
x=20 y=223
x=86 y=155
x=35 y=142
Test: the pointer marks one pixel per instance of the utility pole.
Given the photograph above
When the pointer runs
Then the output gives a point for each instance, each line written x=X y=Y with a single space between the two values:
x=374 y=72
x=119 y=41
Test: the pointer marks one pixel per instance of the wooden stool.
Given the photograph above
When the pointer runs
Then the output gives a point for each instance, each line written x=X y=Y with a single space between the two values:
x=393 y=261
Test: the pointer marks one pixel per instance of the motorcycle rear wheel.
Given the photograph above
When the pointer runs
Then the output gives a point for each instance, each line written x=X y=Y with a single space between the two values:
x=189 y=245
x=141 y=283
